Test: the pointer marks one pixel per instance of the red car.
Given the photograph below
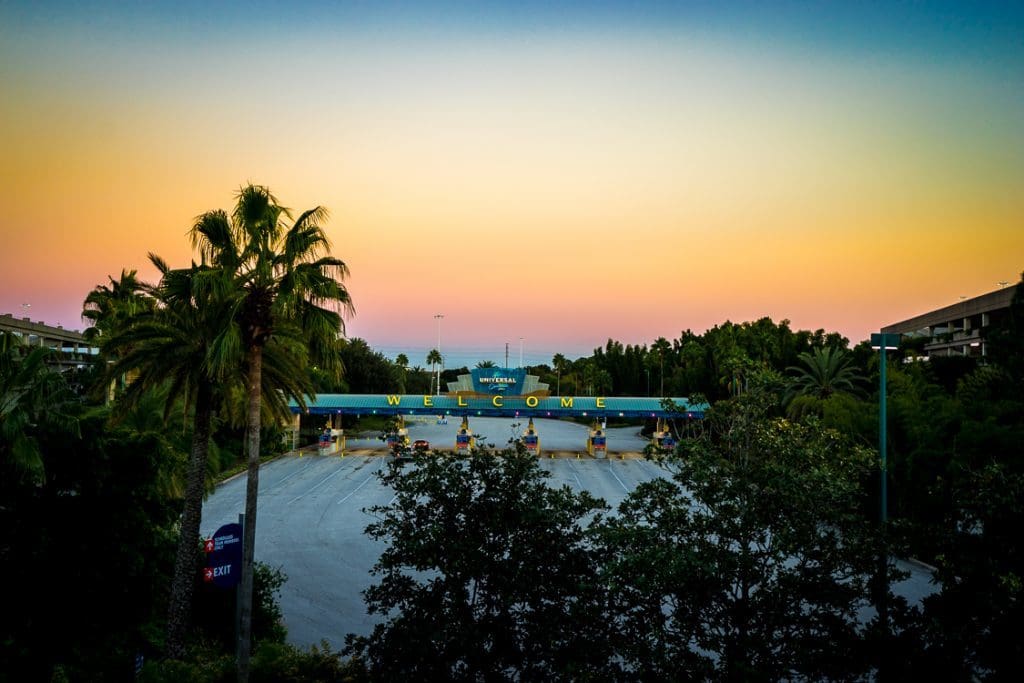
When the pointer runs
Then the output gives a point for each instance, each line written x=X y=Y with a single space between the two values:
x=421 y=445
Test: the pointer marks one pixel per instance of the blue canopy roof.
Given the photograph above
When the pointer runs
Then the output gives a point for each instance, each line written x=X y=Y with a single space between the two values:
x=497 y=406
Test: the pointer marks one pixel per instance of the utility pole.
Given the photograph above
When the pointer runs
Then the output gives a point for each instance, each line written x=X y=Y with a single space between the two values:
x=506 y=354
x=520 y=352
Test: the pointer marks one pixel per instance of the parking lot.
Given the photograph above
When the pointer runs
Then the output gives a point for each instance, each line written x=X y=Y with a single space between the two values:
x=311 y=516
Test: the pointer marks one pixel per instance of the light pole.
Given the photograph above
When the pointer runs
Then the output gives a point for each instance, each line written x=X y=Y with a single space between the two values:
x=883 y=342
x=520 y=352
x=439 y=317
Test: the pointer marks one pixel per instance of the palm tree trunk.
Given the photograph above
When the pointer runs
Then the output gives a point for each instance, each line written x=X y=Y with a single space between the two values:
x=251 y=496
x=179 y=610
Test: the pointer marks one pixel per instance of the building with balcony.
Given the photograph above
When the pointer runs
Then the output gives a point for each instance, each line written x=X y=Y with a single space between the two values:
x=70 y=349
x=958 y=329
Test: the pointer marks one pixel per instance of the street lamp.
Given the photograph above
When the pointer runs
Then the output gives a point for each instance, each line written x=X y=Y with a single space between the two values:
x=439 y=317
x=520 y=352
x=883 y=342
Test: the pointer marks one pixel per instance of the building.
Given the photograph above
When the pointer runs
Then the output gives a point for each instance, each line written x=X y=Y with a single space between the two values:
x=958 y=329
x=70 y=347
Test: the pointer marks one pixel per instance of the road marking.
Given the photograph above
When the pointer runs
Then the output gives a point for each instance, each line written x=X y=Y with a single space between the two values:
x=365 y=482
x=576 y=476
x=296 y=473
x=318 y=484
x=617 y=477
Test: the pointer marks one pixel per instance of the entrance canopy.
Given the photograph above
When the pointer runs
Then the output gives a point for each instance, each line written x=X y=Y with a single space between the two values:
x=500 y=406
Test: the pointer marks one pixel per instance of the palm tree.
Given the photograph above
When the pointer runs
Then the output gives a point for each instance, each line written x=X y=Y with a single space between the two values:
x=32 y=399
x=402 y=361
x=559 y=362
x=661 y=346
x=434 y=358
x=486 y=364
x=284 y=287
x=170 y=345
x=108 y=308
x=822 y=373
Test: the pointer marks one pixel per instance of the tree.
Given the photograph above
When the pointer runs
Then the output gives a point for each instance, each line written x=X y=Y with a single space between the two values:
x=753 y=563
x=176 y=345
x=487 y=575
x=170 y=344
x=108 y=308
x=33 y=399
x=434 y=358
x=486 y=364
x=822 y=373
x=402 y=361
x=86 y=549
x=558 y=361
x=285 y=288
x=661 y=347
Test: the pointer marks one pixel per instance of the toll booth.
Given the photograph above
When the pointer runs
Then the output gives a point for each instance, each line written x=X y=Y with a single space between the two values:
x=398 y=438
x=597 y=442
x=662 y=437
x=331 y=441
x=531 y=440
x=464 y=440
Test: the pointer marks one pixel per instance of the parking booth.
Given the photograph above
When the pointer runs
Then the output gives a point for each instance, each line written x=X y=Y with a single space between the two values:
x=531 y=440
x=662 y=437
x=597 y=442
x=464 y=441
x=331 y=441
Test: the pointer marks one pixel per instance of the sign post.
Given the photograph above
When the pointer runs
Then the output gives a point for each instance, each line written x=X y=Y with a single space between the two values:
x=224 y=557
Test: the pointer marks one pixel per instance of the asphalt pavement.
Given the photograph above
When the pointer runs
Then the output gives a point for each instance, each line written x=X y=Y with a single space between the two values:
x=313 y=511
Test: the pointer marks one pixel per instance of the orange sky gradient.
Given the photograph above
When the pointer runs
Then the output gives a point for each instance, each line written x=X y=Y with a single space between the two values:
x=565 y=185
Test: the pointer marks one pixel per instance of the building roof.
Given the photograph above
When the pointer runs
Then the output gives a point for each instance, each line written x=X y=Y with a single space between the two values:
x=986 y=303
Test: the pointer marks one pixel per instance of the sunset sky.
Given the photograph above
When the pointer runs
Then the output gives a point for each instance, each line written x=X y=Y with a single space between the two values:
x=563 y=173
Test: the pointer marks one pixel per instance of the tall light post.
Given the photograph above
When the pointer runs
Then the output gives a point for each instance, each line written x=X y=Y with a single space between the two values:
x=883 y=342
x=439 y=317
x=520 y=352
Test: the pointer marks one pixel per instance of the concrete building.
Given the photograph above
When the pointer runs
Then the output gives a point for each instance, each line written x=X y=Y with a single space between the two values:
x=958 y=329
x=70 y=347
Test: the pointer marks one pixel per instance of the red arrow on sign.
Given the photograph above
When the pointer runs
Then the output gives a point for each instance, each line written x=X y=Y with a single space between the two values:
x=208 y=545
x=207 y=574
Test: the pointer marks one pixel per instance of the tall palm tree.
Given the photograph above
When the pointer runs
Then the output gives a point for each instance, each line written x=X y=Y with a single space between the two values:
x=486 y=364
x=435 y=360
x=661 y=346
x=284 y=287
x=109 y=307
x=822 y=373
x=170 y=345
x=559 y=362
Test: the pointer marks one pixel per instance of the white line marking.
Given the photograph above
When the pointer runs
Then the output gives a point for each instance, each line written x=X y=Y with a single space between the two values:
x=318 y=484
x=365 y=482
x=617 y=477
